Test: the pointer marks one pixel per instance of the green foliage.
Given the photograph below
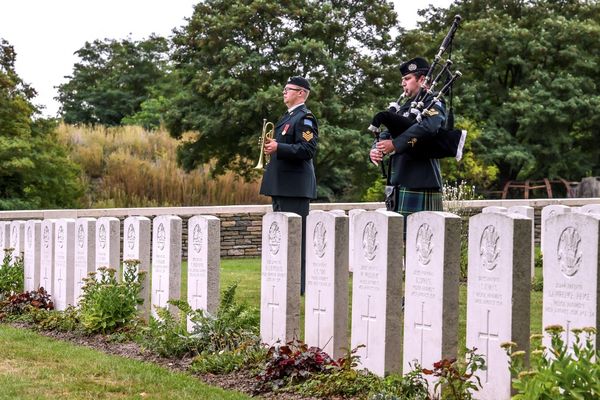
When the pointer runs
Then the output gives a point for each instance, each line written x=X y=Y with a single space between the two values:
x=226 y=361
x=11 y=275
x=538 y=281
x=233 y=57
x=112 y=79
x=108 y=305
x=530 y=79
x=53 y=320
x=232 y=330
x=35 y=171
x=456 y=379
x=557 y=372
x=166 y=335
x=411 y=386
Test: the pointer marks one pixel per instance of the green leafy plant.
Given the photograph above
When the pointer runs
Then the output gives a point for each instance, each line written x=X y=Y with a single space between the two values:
x=226 y=361
x=20 y=303
x=457 y=378
x=53 y=320
x=558 y=372
x=411 y=386
x=11 y=275
x=108 y=305
x=233 y=329
x=167 y=335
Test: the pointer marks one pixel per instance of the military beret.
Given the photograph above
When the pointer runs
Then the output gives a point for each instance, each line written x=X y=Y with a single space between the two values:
x=299 y=81
x=417 y=64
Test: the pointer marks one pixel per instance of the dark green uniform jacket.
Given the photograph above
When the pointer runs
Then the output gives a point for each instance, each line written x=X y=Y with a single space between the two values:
x=408 y=170
x=291 y=172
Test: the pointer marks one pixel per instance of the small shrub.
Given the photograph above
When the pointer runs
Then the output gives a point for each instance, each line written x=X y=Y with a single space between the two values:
x=291 y=364
x=107 y=305
x=11 y=275
x=52 y=320
x=412 y=386
x=557 y=372
x=167 y=335
x=226 y=361
x=456 y=378
x=233 y=327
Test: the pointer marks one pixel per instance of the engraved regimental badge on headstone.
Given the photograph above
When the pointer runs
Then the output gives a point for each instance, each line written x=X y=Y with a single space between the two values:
x=569 y=252
x=489 y=248
x=369 y=241
x=131 y=236
x=274 y=238
x=319 y=239
x=161 y=237
x=424 y=244
x=197 y=238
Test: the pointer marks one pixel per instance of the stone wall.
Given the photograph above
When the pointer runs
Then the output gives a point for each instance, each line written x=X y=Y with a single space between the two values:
x=241 y=225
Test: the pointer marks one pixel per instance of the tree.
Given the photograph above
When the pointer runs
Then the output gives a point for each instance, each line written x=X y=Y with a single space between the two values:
x=233 y=58
x=112 y=80
x=35 y=171
x=530 y=81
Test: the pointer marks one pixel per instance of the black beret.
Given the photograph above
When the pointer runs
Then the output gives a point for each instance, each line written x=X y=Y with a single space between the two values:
x=299 y=81
x=417 y=64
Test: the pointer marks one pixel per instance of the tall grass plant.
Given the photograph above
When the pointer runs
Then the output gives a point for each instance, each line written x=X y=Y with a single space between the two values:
x=131 y=167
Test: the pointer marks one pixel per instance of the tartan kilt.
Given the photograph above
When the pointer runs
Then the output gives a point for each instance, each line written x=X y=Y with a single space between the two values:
x=413 y=200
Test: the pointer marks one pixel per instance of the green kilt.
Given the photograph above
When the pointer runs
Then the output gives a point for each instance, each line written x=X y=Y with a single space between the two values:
x=413 y=200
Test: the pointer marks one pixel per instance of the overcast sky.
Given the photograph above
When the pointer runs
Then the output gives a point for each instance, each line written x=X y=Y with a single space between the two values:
x=46 y=33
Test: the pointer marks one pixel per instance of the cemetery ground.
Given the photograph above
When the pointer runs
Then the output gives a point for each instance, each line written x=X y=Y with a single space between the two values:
x=34 y=366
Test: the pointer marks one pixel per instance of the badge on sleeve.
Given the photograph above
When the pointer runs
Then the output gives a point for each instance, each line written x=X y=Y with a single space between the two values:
x=285 y=129
x=307 y=135
x=308 y=122
x=431 y=112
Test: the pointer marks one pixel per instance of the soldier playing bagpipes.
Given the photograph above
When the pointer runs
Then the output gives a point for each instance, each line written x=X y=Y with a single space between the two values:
x=418 y=134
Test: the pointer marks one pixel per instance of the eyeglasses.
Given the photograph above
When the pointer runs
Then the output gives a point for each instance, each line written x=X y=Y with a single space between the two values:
x=287 y=89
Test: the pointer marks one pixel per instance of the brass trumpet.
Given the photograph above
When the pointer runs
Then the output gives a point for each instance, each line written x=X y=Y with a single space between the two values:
x=268 y=132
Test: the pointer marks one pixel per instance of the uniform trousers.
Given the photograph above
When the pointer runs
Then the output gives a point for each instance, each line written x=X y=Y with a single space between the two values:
x=300 y=206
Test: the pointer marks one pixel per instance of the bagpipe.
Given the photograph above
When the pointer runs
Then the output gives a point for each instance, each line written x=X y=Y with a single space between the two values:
x=447 y=142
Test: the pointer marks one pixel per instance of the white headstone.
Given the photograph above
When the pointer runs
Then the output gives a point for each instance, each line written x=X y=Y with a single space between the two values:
x=204 y=263
x=547 y=212
x=498 y=294
x=338 y=211
x=64 y=263
x=4 y=236
x=352 y=215
x=280 y=278
x=571 y=284
x=31 y=259
x=136 y=246
x=326 y=304
x=528 y=212
x=377 y=291
x=47 y=255
x=590 y=209
x=166 y=261
x=431 y=289
x=85 y=253
x=108 y=243
x=17 y=239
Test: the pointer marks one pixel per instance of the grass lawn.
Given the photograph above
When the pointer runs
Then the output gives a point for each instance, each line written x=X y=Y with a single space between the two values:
x=36 y=367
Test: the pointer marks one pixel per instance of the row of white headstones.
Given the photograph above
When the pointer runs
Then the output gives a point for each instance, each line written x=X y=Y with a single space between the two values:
x=59 y=253
x=425 y=330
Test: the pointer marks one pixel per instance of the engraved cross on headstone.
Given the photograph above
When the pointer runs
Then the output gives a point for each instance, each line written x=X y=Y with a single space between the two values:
x=422 y=326
x=159 y=291
x=319 y=310
x=272 y=305
x=368 y=317
x=60 y=280
x=197 y=295
x=487 y=336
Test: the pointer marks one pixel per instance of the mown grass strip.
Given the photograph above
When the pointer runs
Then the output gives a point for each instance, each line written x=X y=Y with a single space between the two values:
x=36 y=367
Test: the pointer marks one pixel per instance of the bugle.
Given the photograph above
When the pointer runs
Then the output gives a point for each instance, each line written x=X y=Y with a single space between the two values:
x=268 y=132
